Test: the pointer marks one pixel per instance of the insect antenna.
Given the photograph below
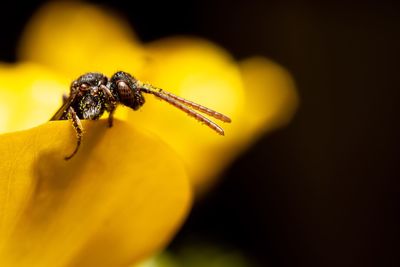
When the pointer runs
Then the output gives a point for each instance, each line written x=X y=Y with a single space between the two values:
x=198 y=107
x=183 y=104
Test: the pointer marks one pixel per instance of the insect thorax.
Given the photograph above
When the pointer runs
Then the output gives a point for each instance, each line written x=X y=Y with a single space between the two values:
x=90 y=107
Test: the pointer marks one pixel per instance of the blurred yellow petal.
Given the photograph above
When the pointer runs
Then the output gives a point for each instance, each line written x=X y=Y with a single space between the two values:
x=196 y=69
x=271 y=95
x=29 y=95
x=120 y=199
x=75 y=38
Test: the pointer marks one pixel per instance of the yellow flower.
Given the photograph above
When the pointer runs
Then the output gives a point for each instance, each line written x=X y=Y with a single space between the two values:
x=125 y=194
x=256 y=93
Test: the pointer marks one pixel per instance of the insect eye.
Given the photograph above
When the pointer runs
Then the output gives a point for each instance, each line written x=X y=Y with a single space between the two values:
x=84 y=86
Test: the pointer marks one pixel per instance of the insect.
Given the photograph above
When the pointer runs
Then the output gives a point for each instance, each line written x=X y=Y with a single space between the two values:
x=93 y=93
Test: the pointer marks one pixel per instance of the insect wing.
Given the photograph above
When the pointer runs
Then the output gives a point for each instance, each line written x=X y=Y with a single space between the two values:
x=62 y=111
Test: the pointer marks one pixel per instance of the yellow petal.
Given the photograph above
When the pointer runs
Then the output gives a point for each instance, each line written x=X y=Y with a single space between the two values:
x=120 y=199
x=29 y=95
x=272 y=97
x=76 y=38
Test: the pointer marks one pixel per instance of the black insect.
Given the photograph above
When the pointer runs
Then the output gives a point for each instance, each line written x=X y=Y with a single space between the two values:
x=93 y=93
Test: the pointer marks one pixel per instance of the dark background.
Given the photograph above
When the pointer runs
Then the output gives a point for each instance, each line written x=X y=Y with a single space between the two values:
x=323 y=191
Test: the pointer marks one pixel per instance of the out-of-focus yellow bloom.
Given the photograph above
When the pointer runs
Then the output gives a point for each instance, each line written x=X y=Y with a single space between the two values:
x=75 y=38
x=117 y=201
x=29 y=95
x=124 y=194
x=256 y=93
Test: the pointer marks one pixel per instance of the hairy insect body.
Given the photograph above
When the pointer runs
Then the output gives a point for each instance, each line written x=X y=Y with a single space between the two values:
x=92 y=94
x=91 y=107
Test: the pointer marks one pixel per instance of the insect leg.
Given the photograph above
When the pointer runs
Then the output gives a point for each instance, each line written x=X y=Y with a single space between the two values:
x=107 y=93
x=76 y=123
x=111 y=116
x=111 y=103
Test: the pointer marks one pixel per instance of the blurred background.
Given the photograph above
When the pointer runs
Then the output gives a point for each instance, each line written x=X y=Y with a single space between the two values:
x=322 y=191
